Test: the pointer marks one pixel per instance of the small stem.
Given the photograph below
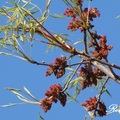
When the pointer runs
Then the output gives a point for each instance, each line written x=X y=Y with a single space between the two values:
x=85 y=42
x=74 y=64
x=93 y=38
x=88 y=10
x=101 y=91
x=66 y=86
x=44 y=64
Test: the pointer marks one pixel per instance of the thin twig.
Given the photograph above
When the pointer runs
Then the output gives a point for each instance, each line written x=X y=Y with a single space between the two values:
x=43 y=63
x=101 y=91
x=88 y=11
x=96 y=43
x=74 y=64
x=85 y=42
x=67 y=84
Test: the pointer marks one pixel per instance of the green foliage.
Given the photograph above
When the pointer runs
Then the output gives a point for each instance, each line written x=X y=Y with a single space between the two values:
x=57 y=16
x=23 y=96
x=20 y=22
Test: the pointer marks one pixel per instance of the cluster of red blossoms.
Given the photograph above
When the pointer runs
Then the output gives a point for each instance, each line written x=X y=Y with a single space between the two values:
x=101 y=49
x=94 y=104
x=83 y=22
x=58 y=67
x=53 y=95
x=92 y=13
x=90 y=76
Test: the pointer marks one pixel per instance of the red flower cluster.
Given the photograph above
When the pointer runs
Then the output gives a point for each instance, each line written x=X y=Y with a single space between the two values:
x=74 y=24
x=90 y=76
x=58 y=67
x=83 y=22
x=94 y=104
x=70 y=12
x=92 y=13
x=101 y=51
x=53 y=95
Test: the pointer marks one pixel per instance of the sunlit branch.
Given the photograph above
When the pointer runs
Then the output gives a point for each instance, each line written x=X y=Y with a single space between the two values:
x=106 y=63
x=106 y=71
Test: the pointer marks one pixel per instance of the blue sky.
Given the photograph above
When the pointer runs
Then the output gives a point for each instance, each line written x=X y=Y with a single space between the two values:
x=16 y=73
